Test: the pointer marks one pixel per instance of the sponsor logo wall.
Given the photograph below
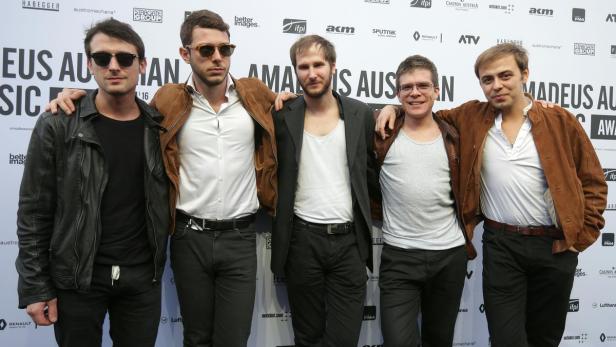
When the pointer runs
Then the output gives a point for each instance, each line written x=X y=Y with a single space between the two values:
x=571 y=66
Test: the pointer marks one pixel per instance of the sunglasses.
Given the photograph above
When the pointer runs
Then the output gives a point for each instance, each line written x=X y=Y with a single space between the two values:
x=103 y=59
x=206 y=50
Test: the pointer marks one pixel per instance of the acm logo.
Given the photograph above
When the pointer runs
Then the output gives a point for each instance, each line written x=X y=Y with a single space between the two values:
x=535 y=11
x=333 y=29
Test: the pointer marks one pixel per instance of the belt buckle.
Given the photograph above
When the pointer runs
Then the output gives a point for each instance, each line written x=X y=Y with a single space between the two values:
x=329 y=230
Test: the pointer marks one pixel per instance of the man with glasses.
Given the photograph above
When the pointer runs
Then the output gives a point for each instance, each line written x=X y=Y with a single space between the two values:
x=219 y=152
x=532 y=175
x=423 y=261
x=93 y=214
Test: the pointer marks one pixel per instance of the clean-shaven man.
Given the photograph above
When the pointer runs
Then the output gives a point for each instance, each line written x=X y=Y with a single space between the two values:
x=423 y=261
x=93 y=214
x=532 y=175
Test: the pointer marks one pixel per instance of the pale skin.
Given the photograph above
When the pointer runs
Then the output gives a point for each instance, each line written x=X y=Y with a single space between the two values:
x=418 y=121
x=315 y=74
x=210 y=74
x=501 y=81
x=116 y=100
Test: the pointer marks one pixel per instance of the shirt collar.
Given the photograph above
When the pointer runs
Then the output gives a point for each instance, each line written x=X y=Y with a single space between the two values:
x=190 y=83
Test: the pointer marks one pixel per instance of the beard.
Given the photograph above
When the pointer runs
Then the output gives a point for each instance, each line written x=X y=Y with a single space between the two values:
x=320 y=92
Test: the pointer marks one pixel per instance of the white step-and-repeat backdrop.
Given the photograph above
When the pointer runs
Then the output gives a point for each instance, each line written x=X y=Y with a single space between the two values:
x=572 y=46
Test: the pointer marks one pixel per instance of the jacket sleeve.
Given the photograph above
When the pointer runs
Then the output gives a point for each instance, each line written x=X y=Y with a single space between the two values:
x=35 y=216
x=594 y=187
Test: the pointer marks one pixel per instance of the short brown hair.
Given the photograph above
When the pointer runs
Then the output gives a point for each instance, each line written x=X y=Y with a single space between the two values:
x=202 y=19
x=413 y=63
x=306 y=42
x=118 y=30
x=501 y=50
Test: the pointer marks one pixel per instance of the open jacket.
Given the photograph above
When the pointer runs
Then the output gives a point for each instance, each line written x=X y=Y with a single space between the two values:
x=359 y=128
x=572 y=170
x=174 y=101
x=58 y=221
x=451 y=140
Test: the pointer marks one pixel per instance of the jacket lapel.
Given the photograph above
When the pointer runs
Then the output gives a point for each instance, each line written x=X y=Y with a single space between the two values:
x=352 y=130
x=295 y=124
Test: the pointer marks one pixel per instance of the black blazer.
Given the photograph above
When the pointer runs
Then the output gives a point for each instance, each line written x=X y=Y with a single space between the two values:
x=359 y=130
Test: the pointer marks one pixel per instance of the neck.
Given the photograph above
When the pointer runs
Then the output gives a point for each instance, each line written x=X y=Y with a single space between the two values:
x=120 y=107
x=419 y=124
x=515 y=111
x=215 y=94
x=320 y=104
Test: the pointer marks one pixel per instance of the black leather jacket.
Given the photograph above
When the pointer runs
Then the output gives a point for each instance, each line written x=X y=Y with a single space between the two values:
x=58 y=221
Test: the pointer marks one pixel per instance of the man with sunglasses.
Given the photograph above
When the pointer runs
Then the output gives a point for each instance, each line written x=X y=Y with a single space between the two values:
x=93 y=214
x=423 y=261
x=219 y=152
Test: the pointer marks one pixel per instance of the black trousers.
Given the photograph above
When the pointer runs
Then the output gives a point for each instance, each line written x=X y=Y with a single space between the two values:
x=326 y=284
x=215 y=278
x=414 y=280
x=526 y=289
x=133 y=303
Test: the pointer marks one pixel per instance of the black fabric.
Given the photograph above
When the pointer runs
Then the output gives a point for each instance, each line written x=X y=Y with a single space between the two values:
x=215 y=278
x=326 y=284
x=526 y=289
x=427 y=281
x=123 y=238
x=359 y=132
x=132 y=301
x=58 y=220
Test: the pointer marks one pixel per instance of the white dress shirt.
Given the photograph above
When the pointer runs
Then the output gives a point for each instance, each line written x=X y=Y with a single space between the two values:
x=216 y=149
x=513 y=185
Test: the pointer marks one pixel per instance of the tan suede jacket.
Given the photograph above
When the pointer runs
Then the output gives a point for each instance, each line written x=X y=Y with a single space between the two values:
x=451 y=140
x=174 y=102
x=571 y=167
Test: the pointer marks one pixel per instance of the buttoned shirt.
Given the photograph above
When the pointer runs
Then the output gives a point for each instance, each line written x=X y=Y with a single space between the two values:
x=216 y=149
x=513 y=185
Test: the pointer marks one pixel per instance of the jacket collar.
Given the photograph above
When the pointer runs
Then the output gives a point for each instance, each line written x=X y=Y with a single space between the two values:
x=87 y=110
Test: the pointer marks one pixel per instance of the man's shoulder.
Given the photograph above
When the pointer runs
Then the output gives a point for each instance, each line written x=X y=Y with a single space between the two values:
x=172 y=90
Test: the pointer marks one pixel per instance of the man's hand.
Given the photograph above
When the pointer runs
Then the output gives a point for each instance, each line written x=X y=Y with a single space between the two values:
x=387 y=117
x=44 y=313
x=281 y=98
x=545 y=104
x=572 y=249
x=64 y=100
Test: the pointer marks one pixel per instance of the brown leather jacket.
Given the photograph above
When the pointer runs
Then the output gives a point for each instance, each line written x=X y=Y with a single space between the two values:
x=174 y=102
x=570 y=164
x=451 y=140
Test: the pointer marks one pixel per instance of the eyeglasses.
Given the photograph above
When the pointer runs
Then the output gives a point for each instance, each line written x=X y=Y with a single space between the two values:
x=206 y=50
x=422 y=87
x=103 y=59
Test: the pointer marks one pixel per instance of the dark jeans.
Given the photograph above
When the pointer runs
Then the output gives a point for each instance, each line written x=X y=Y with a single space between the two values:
x=215 y=275
x=133 y=303
x=526 y=289
x=326 y=284
x=411 y=280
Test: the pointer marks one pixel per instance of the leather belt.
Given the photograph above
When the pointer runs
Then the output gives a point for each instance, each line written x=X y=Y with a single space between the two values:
x=531 y=230
x=199 y=224
x=329 y=229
